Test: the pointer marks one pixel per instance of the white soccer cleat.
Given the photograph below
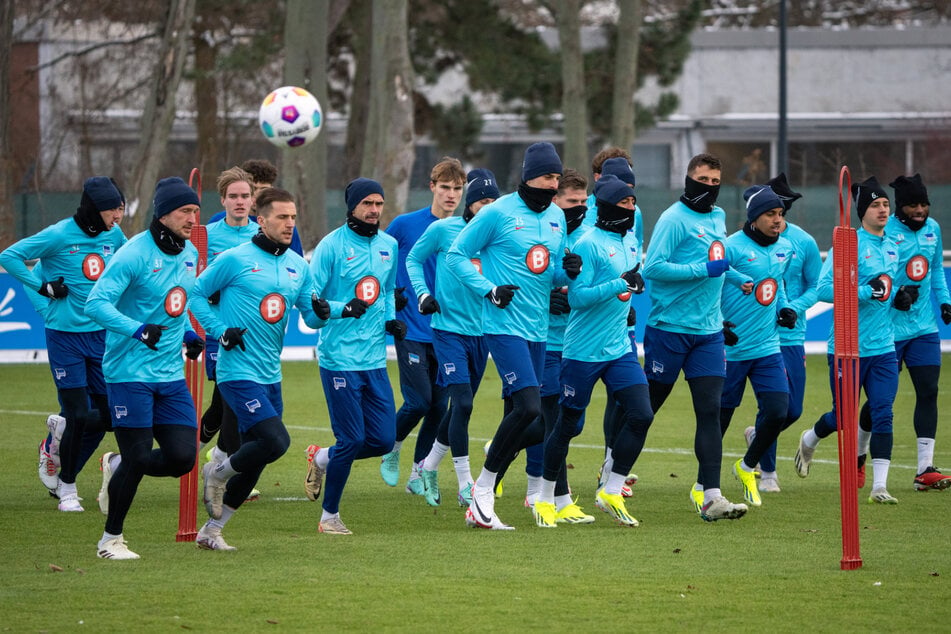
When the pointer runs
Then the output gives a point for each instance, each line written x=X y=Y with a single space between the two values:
x=115 y=548
x=107 y=471
x=70 y=503
x=49 y=474
x=481 y=512
x=214 y=490
x=56 y=425
x=209 y=538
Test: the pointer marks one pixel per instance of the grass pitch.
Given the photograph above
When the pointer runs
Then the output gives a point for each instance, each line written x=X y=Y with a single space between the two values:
x=411 y=567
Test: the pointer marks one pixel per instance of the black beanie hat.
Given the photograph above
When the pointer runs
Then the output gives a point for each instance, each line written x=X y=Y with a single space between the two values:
x=780 y=187
x=909 y=191
x=864 y=193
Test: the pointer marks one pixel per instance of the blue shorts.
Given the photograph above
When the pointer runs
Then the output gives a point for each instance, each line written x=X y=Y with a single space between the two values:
x=667 y=353
x=142 y=405
x=578 y=378
x=919 y=351
x=76 y=359
x=766 y=374
x=521 y=363
x=551 y=381
x=461 y=358
x=211 y=358
x=252 y=402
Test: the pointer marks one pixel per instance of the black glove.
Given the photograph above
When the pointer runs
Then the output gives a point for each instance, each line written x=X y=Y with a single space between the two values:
x=149 y=334
x=730 y=338
x=878 y=288
x=502 y=295
x=54 y=289
x=946 y=313
x=787 y=318
x=321 y=306
x=631 y=317
x=571 y=263
x=635 y=283
x=355 y=308
x=214 y=298
x=194 y=345
x=905 y=296
x=428 y=305
x=558 y=302
x=233 y=337
x=401 y=300
x=396 y=328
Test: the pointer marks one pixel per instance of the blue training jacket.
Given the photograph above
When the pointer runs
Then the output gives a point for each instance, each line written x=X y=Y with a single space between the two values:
x=406 y=229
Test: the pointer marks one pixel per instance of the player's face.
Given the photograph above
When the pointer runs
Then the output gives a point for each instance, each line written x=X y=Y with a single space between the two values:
x=446 y=197
x=479 y=204
x=703 y=173
x=278 y=223
x=112 y=217
x=568 y=198
x=771 y=223
x=627 y=203
x=545 y=181
x=181 y=221
x=876 y=215
x=369 y=209
x=237 y=201
x=918 y=211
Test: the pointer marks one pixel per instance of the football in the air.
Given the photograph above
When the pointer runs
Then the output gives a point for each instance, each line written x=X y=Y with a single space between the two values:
x=290 y=117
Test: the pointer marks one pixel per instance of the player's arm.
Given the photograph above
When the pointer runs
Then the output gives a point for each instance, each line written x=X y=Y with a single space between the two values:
x=474 y=237
x=308 y=302
x=211 y=280
x=101 y=303
x=824 y=289
x=811 y=270
x=939 y=284
x=35 y=247
x=322 y=271
x=426 y=246
x=658 y=266
x=594 y=283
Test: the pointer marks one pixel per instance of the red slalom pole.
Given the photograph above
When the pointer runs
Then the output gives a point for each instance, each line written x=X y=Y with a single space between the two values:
x=194 y=377
x=846 y=359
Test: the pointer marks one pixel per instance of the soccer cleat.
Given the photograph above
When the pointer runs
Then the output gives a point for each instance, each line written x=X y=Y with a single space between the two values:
x=415 y=484
x=49 y=474
x=115 y=548
x=214 y=490
x=314 y=480
x=697 y=498
x=498 y=489
x=481 y=512
x=55 y=424
x=465 y=495
x=722 y=509
x=70 y=503
x=544 y=514
x=431 y=487
x=485 y=453
x=931 y=478
x=769 y=485
x=748 y=480
x=572 y=514
x=210 y=454
x=860 y=476
x=613 y=505
x=106 y=469
x=253 y=495
x=333 y=526
x=803 y=456
x=390 y=468
x=209 y=538
x=881 y=496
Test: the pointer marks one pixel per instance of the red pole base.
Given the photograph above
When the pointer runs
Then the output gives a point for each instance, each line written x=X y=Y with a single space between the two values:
x=851 y=564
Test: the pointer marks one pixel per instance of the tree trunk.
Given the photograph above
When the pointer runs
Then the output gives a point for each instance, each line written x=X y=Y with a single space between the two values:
x=206 y=103
x=625 y=74
x=573 y=106
x=359 y=110
x=304 y=170
x=159 y=112
x=7 y=186
x=389 y=150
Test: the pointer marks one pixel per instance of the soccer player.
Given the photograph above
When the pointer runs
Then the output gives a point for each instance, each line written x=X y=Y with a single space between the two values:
x=460 y=349
x=257 y=281
x=686 y=263
x=73 y=253
x=878 y=267
x=520 y=239
x=354 y=268
x=917 y=344
x=758 y=252
x=423 y=397
x=141 y=299
x=597 y=346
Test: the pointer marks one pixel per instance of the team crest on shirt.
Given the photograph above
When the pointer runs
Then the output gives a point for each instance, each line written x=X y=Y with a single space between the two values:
x=930 y=237
x=107 y=249
x=385 y=256
x=781 y=256
x=892 y=255
x=555 y=226
x=291 y=273
x=189 y=266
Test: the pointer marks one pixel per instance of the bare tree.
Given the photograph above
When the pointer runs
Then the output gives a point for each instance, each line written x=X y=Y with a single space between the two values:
x=623 y=130
x=7 y=186
x=361 y=20
x=573 y=93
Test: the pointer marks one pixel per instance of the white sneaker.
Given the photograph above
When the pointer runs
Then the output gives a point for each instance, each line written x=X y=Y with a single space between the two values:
x=55 y=424
x=209 y=538
x=214 y=490
x=115 y=548
x=49 y=474
x=881 y=496
x=69 y=503
x=106 y=469
x=481 y=512
x=722 y=509
x=803 y=457
x=769 y=485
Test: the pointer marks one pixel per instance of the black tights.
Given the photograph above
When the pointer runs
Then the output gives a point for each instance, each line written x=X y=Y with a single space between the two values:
x=80 y=419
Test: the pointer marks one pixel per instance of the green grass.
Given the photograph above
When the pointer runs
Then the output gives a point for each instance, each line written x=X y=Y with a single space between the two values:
x=410 y=567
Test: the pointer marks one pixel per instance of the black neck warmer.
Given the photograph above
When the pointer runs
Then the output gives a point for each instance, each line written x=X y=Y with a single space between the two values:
x=361 y=228
x=88 y=218
x=758 y=236
x=914 y=225
x=574 y=216
x=699 y=196
x=613 y=218
x=467 y=214
x=167 y=241
x=535 y=198
x=266 y=244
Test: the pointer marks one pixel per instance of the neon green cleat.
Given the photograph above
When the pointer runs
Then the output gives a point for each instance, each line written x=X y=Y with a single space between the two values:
x=613 y=505
x=572 y=514
x=748 y=480
x=544 y=513
x=881 y=496
x=697 y=498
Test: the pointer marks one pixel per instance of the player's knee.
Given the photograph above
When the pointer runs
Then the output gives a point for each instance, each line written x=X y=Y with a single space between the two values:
x=377 y=445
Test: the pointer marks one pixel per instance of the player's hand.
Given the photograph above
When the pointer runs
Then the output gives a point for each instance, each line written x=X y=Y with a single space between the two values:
x=428 y=305
x=571 y=263
x=787 y=318
x=878 y=288
x=635 y=283
x=716 y=268
x=502 y=295
x=321 y=307
x=946 y=313
x=214 y=298
x=194 y=345
x=730 y=338
x=355 y=308
x=631 y=317
x=54 y=289
x=558 y=302
x=905 y=296
x=400 y=298
x=396 y=328
x=149 y=334
x=233 y=338
x=746 y=288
